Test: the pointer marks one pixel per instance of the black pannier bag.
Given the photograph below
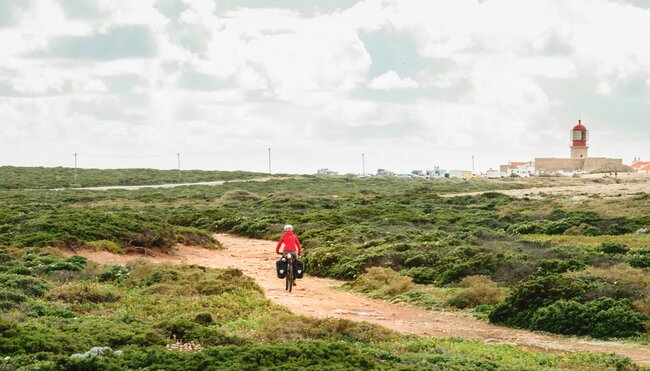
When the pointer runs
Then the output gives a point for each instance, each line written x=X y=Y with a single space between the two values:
x=281 y=268
x=298 y=269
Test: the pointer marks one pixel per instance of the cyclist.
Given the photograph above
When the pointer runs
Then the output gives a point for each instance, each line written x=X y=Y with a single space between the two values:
x=291 y=244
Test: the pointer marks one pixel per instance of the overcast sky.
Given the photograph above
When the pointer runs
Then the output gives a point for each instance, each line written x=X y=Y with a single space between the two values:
x=412 y=84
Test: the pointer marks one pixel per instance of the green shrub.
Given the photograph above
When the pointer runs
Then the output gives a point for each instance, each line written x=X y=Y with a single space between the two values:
x=382 y=281
x=49 y=309
x=113 y=273
x=81 y=292
x=287 y=327
x=9 y=298
x=478 y=290
x=28 y=285
x=556 y=266
x=603 y=318
x=640 y=258
x=461 y=302
x=196 y=237
x=239 y=195
x=519 y=308
x=106 y=245
x=611 y=247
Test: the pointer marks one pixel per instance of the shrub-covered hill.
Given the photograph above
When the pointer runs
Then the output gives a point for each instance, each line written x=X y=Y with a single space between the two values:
x=68 y=313
x=12 y=177
x=455 y=248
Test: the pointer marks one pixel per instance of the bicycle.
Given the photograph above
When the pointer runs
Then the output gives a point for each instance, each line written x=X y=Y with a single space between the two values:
x=289 y=279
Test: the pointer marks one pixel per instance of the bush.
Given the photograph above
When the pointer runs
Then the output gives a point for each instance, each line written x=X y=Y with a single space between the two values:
x=478 y=290
x=461 y=302
x=520 y=306
x=239 y=195
x=49 y=309
x=113 y=273
x=382 y=281
x=640 y=258
x=196 y=237
x=603 y=318
x=9 y=298
x=611 y=247
x=106 y=245
x=28 y=285
x=300 y=328
x=81 y=292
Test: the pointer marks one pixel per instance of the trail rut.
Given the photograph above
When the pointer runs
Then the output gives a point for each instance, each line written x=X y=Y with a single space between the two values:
x=317 y=297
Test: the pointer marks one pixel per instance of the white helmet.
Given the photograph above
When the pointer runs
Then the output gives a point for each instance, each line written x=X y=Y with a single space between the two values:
x=288 y=227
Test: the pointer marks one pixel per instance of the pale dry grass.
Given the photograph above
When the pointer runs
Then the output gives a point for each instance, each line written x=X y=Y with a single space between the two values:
x=632 y=241
x=482 y=290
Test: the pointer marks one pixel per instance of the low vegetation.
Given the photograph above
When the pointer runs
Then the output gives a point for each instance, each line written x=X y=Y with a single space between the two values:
x=524 y=262
x=68 y=313
x=12 y=177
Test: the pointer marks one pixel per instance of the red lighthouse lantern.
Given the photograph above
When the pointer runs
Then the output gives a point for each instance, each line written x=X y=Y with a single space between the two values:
x=579 y=138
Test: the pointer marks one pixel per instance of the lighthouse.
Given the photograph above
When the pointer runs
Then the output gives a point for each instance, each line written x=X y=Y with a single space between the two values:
x=579 y=138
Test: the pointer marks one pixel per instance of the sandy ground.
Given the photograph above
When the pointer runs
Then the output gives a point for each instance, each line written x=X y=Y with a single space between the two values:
x=317 y=297
x=641 y=184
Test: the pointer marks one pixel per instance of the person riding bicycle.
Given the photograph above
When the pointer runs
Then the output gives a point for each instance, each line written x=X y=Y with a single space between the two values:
x=291 y=244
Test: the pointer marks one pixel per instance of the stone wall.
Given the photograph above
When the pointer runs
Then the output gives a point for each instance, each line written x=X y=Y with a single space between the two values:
x=597 y=163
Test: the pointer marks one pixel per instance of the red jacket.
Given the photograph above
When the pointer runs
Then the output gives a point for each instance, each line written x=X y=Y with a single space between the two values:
x=290 y=241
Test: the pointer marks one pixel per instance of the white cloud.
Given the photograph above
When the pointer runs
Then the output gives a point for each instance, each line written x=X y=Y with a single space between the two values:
x=500 y=74
x=95 y=86
x=391 y=80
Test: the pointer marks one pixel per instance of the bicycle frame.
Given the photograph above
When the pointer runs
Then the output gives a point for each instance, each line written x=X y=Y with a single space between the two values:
x=289 y=278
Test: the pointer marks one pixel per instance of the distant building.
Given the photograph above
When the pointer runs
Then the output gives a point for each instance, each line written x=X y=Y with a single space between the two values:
x=384 y=172
x=465 y=174
x=494 y=174
x=326 y=172
x=518 y=169
x=641 y=167
x=579 y=161
x=437 y=172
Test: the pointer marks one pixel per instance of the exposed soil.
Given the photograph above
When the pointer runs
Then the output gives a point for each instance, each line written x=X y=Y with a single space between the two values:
x=639 y=183
x=318 y=297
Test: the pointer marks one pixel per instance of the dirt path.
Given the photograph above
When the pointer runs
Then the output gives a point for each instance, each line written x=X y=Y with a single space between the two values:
x=174 y=185
x=316 y=297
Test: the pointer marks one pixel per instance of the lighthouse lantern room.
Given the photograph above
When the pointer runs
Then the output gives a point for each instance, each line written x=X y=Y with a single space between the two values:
x=579 y=138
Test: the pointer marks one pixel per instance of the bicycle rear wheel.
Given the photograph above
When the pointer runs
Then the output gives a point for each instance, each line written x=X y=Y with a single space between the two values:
x=289 y=284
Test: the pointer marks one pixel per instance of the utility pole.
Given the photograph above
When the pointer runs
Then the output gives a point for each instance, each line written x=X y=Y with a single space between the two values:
x=178 y=155
x=75 y=167
x=473 y=165
x=363 y=164
x=269 y=160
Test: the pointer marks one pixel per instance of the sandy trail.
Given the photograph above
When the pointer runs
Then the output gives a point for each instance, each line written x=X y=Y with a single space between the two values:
x=317 y=297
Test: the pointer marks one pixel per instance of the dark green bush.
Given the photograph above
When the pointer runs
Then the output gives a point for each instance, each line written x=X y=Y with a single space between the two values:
x=28 y=285
x=611 y=247
x=640 y=258
x=80 y=292
x=49 y=309
x=551 y=266
x=602 y=318
x=519 y=308
x=461 y=302
x=9 y=298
